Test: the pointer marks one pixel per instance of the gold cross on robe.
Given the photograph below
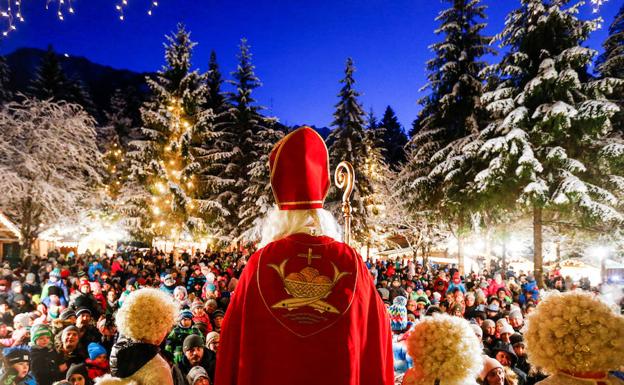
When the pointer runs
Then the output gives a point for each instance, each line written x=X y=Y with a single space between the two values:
x=309 y=256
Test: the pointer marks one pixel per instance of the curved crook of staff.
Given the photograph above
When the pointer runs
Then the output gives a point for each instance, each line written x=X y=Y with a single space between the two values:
x=344 y=178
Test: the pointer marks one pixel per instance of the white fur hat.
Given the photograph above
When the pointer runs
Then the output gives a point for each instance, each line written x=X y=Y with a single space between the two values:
x=147 y=315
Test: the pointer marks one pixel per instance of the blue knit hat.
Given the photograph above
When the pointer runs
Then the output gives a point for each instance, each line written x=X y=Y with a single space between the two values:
x=398 y=314
x=185 y=314
x=95 y=350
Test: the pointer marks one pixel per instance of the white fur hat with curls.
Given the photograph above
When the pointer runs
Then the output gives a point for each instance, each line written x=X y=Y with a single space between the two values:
x=576 y=332
x=147 y=315
x=443 y=348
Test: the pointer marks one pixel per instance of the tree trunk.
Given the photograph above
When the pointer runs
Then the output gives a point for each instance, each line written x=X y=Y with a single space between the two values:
x=460 y=253
x=537 y=247
x=504 y=256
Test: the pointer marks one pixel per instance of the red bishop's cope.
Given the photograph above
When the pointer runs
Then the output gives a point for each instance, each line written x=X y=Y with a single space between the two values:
x=305 y=312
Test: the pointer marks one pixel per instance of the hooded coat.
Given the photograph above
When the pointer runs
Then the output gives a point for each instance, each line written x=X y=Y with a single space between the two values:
x=134 y=363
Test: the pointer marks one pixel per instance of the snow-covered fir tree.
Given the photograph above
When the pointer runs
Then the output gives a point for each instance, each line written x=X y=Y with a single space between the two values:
x=451 y=112
x=5 y=75
x=118 y=116
x=550 y=146
x=394 y=139
x=216 y=99
x=50 y=165
x=349 y=142
x=168 y=162
x=611 y=62
x=238 y=182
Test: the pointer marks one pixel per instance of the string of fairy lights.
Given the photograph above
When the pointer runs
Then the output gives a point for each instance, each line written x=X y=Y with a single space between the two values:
x=11 y=11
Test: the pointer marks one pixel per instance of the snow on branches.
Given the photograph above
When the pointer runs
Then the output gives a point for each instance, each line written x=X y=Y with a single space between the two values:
x=50 y=165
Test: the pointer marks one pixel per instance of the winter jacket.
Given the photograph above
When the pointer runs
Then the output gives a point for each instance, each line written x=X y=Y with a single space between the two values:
x=175 y=339
x=134 y=363
x=97 y=369
x=8 y=378
x=208 y=362
x=402 y=361
x=44 y=365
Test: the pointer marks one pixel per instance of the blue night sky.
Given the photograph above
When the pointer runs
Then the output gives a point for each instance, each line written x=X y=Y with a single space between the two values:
x=299 y=47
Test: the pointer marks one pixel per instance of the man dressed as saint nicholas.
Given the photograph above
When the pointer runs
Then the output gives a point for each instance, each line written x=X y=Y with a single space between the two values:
x=305 y=310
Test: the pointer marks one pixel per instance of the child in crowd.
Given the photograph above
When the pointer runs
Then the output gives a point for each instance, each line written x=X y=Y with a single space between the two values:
x=176 y=337
x=97 y=363
x=16 y=368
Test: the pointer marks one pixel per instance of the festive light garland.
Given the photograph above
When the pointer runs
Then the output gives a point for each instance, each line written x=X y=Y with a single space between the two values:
x=11 y=13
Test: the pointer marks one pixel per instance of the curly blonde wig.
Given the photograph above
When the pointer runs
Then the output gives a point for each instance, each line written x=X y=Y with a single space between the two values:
x=574 y=331
x=444 y=348
x=147 y=315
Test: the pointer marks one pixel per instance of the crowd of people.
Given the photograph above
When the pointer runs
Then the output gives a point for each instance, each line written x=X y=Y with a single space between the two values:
x=57 y=315
x=495 y=304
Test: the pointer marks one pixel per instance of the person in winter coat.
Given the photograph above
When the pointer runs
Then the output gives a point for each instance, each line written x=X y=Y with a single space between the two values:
x=196 y=354
x=497 y=283
x=399 y=327
x=16 y=368
x=180 y=296
x=97 y=363
x=47 y=364
x=504 y=353
x=87 y=300
x=55 y=280
x=67 y=346
x=134 y=358
x=456 y=283
x=198 y=376
x=175 y=339
x=77 y=375
x=95 y=270
x=168 y=285
x=493 y=373
x=530 y=291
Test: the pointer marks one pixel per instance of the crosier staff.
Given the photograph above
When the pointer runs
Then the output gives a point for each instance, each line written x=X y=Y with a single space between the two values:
x=344 y=178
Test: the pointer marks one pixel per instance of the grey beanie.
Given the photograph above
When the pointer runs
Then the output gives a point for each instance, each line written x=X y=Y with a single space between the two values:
x=192 y=341
x=195 y=374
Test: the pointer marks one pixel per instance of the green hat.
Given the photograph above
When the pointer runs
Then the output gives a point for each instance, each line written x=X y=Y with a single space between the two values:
x=39 y=331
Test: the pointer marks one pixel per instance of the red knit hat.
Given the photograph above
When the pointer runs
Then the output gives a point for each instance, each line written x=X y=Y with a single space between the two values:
x=299 y=166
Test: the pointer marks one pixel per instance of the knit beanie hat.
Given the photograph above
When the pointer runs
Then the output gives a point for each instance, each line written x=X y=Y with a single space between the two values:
x=80 y=369
x=68 y=329
x=185 y=314
x=211 y=336
x=398 y=314
x=39 y=331
x=23 y=320
x=30 y=278
x=195 y=374
x=95 y=350
x=56 y=273
x=489 y=364
x=192 y=341
x=15 y=355
x=67 y=314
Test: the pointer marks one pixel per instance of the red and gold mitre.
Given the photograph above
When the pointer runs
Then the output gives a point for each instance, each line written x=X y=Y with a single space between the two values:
x=299 y=165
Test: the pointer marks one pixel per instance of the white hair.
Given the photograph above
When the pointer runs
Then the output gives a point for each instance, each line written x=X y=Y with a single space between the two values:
x=278 y=224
